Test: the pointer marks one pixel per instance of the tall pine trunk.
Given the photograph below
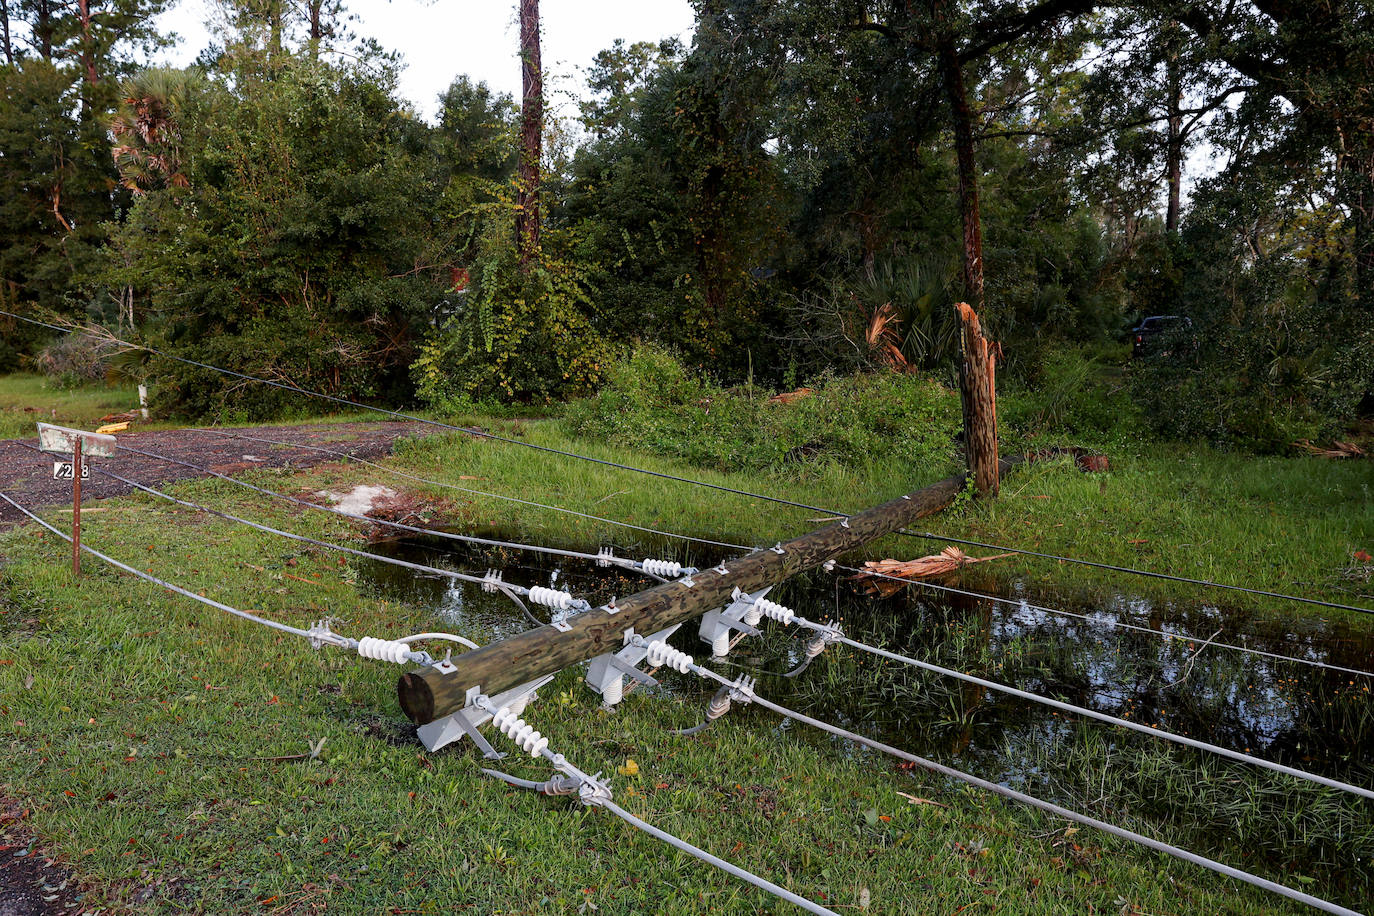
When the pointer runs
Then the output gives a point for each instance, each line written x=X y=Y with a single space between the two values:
x=531 y=133
x=1174 y=150
x=5 y=22
x=1355 y=189
x=969 y=209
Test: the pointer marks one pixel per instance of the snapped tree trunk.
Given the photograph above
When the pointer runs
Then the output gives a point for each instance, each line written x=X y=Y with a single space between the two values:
x=531 y=133
x=969 y=210
x=978 y=383
x=1174 y=150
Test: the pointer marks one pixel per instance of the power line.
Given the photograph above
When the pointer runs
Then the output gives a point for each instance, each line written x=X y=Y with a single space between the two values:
x=452 y=486
x=415 y=419
x=748 y=695
x=594 y=792
x=828 y=632
x=1138 y=572
x=931 y=585
x=665 y=476
x=606 y=559
x=176 y=589
x=1109 y=719
x=1115 y=624
x=490 y=581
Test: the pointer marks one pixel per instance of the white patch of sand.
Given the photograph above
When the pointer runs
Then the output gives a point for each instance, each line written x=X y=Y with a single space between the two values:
x=358 y=501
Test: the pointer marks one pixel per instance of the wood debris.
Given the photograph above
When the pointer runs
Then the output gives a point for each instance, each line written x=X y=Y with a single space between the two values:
x=946 y=561
x=1338 y=449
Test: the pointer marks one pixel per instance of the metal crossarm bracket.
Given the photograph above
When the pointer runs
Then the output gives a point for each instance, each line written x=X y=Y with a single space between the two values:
x=716 y=626
x=606 y=673
x=467 y=720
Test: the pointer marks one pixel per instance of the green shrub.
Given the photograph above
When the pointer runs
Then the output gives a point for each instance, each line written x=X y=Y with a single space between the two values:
x=651 y=402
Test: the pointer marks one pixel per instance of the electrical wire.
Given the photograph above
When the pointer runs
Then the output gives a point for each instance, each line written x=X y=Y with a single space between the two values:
x=1115 y=624
x=1104 y=717
x=452 y=486
x=1138 y=572
x=176 y=589
x=509 y=589
x=595 y=793
x=400 y=415
x=623 y=562
x=1050 y=807
x=688 y=480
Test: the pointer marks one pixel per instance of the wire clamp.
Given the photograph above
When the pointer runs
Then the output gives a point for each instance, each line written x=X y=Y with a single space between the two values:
x=492 y=581
x=606 y=557
x=321 y=635
x=742 y=690
x=594 y=791
x=845 y=523
x=828 y=566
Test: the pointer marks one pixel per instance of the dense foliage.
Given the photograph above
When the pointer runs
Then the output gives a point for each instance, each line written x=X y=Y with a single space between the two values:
x=802 y=192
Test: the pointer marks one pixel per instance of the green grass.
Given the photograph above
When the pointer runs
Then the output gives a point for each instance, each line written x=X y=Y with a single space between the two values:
x=154 y=713
x=50 y=402
x=135 y=724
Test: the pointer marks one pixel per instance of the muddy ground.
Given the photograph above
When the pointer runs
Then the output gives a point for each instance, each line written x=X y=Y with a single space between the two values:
x=26 y=475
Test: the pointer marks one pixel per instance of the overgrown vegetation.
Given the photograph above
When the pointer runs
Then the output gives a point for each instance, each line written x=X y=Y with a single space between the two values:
x=125 y=747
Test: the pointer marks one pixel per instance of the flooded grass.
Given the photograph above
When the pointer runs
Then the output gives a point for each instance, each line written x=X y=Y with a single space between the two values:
x=1307 y=717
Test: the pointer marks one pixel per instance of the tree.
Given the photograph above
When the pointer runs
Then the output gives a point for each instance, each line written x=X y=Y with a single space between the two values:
x=531 y=133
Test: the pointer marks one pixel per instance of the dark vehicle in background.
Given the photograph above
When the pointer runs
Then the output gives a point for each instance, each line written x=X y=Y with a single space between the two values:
x=1162 y=335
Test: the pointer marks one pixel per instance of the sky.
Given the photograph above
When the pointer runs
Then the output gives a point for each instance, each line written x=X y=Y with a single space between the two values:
x=441 y=39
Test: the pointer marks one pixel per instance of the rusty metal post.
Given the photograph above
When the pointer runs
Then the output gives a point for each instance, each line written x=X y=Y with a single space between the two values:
x=76 y=508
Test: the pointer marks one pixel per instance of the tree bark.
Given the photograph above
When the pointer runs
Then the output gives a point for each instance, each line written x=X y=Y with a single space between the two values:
x=978 y=383
x=1174 y=149
x=1355 y=189
x=531 y=134
x=5 y=22
x=969 y=208
x=429 y=695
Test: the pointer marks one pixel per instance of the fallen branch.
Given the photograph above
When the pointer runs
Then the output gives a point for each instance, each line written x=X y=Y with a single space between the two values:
x=946 y=561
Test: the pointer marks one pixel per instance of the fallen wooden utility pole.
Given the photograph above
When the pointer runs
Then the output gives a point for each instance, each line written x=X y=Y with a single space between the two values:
x=429 y=695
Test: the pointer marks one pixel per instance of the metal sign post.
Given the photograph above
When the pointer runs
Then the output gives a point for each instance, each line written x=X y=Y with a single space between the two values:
x=80 y=445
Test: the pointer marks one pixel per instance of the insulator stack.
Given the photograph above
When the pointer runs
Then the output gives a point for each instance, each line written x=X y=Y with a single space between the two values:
x=551 y=597
x=385 y=650
x=665 y=568
x=774 y=611
x=519 y=731
x=661 y=654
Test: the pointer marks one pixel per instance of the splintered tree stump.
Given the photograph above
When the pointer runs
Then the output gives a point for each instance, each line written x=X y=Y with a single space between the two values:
x=978 y=390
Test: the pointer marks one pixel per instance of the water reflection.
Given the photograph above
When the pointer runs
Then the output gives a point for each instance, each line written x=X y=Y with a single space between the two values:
x=1315 y=719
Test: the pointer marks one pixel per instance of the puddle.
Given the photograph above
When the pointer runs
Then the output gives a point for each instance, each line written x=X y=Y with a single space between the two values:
x=1314 y=719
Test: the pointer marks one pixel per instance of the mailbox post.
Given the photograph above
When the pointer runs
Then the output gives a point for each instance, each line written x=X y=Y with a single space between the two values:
x=81 y=445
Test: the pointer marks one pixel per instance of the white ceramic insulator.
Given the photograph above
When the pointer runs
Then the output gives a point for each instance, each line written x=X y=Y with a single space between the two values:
x=720 y=646
x=665 y=568
x=386 y=650
x=551 y=597
x=661 y=654
x=775 y=611
x=613 y=692
x=519 y=731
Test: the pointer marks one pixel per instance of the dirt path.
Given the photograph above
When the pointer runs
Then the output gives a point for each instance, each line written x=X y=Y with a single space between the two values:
x=26 y=476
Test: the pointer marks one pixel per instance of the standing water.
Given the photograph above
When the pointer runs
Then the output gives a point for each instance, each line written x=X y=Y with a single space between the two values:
x=1316 y=719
